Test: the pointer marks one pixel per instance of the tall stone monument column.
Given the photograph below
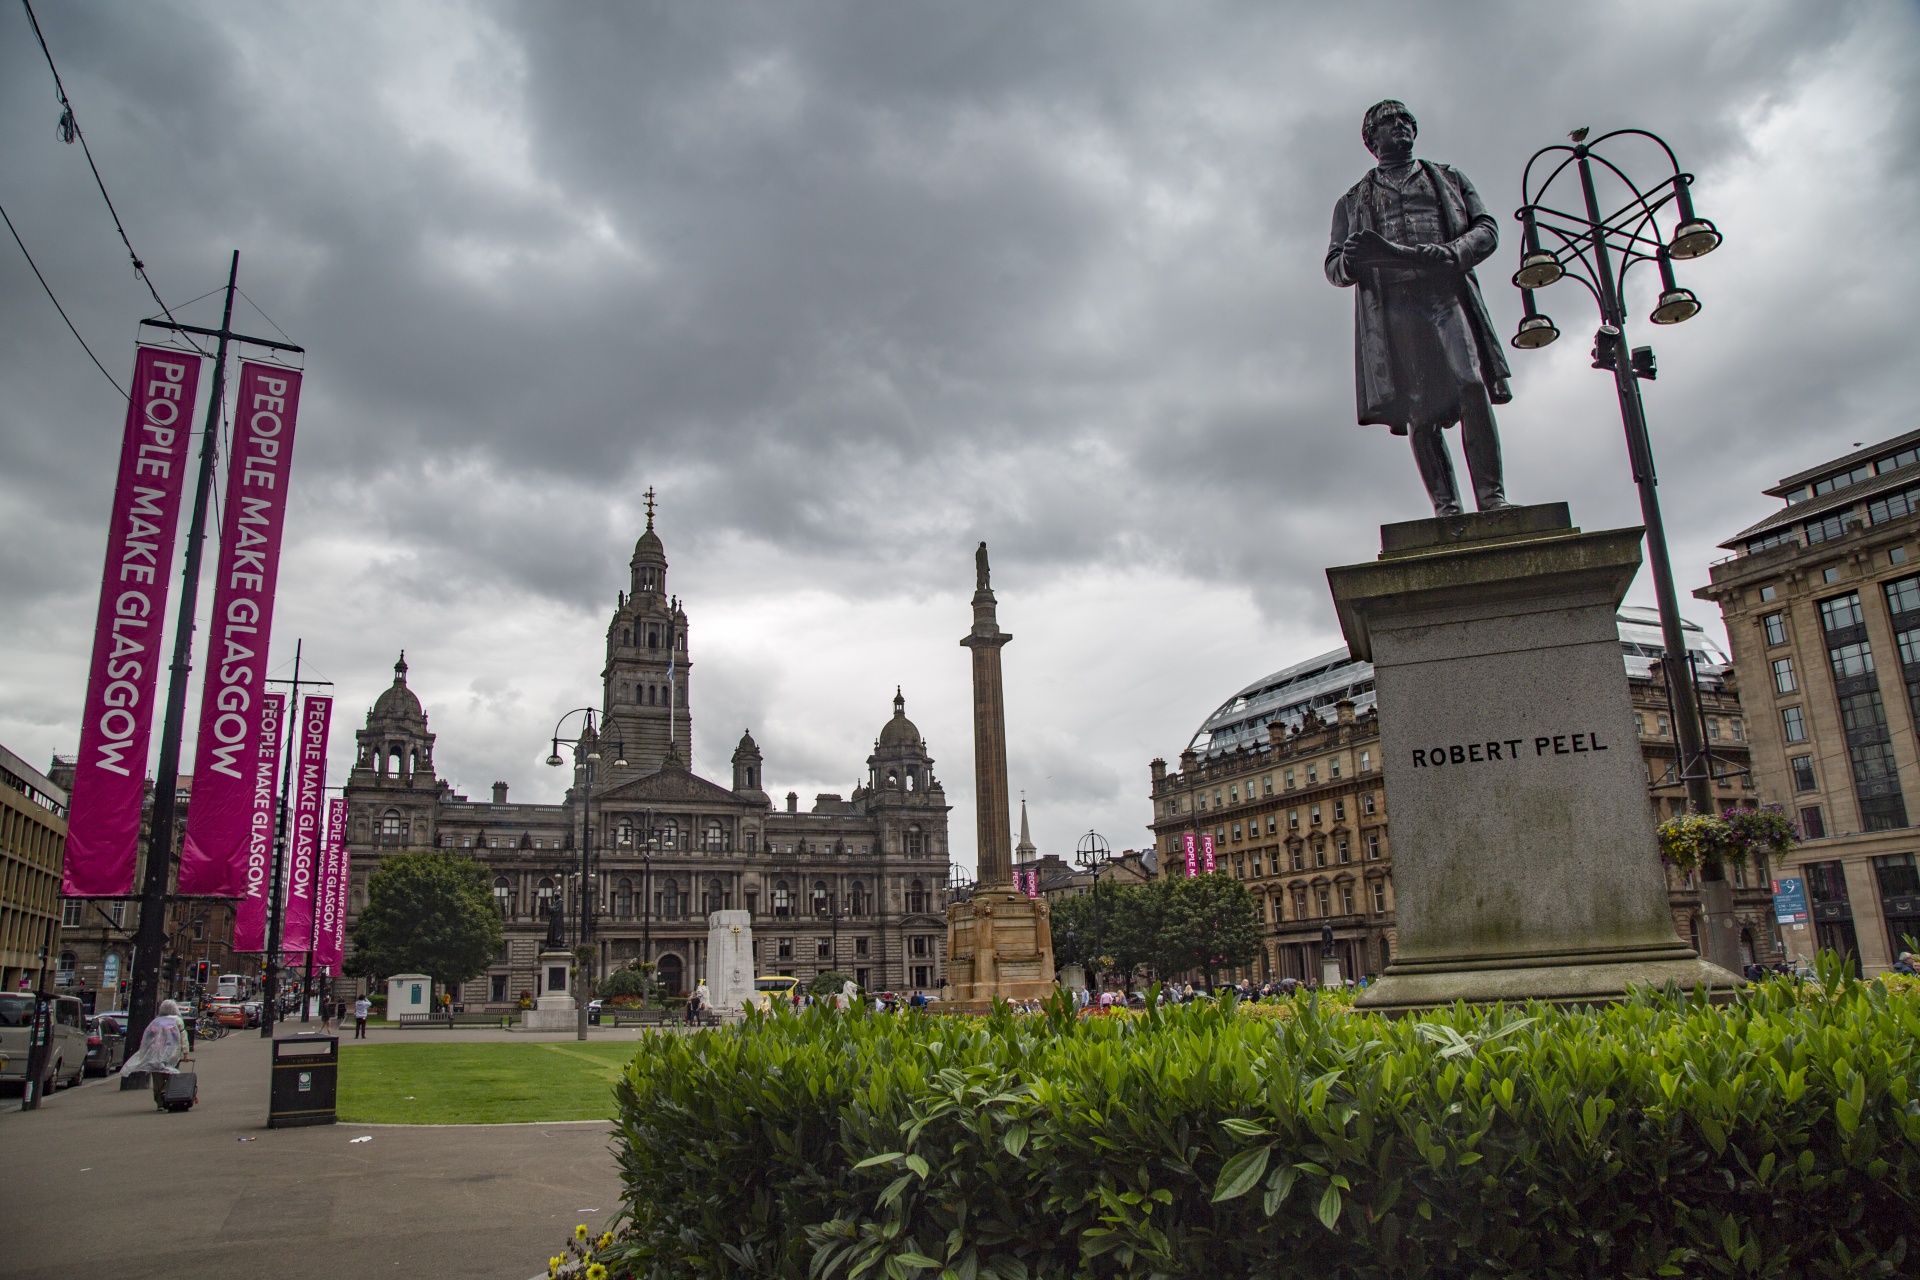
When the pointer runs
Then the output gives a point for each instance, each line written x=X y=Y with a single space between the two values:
x=991 y=800
x=999 y=942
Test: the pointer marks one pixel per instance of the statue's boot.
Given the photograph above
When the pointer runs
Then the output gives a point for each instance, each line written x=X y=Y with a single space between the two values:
x=1480 y=441
x=1436 y=467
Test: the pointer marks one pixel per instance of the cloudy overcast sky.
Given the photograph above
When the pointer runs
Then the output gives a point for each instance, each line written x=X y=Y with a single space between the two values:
x=854 y=286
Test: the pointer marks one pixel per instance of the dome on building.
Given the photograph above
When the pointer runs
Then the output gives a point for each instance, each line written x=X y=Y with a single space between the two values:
x=399 y=702
x=899 y=731
x=1318 y=683
x=649 y=547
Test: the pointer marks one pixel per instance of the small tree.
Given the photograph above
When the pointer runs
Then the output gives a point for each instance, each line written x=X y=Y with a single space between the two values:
x=829 y=983
x=428 y=912
x=633 y=981
x=1212 y=923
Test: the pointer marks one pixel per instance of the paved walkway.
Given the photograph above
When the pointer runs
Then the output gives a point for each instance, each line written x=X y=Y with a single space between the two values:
x=96 y=1182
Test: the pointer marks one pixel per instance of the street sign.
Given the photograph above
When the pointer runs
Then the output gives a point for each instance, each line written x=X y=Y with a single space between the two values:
x=1790 y=901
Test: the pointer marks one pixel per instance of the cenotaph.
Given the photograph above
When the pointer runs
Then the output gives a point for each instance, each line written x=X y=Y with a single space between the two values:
x=729 y=959
x=999 y=942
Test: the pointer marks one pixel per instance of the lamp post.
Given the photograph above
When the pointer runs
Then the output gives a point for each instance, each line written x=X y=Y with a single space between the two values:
x=1582 y=246
x=1092 y=854
x=586 y=754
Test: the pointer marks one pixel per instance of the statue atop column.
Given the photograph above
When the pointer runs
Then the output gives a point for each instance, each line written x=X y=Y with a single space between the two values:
x=1425 y=354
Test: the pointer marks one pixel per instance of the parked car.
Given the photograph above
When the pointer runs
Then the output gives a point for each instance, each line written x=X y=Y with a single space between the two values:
x=66 y=1055
x=228 y=1014
x=256 y=1010
x=106 y=1043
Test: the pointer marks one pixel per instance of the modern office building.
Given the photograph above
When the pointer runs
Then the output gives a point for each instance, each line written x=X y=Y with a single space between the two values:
x=1822 y=606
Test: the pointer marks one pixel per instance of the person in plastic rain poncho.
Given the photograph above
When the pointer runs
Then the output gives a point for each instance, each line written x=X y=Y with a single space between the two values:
x=161 y=1049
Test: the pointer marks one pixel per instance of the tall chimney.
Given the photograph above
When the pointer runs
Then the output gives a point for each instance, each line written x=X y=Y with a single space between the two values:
x=499 y=793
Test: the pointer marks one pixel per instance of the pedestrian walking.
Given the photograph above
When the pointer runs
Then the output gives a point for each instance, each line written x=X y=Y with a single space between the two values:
x=361 y=1008
x=161 y=1049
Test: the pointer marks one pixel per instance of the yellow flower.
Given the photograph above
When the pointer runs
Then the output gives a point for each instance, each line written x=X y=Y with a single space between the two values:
x=604 y=1241
x=553 y=1266
x=580 y=1232
x=596 y=1272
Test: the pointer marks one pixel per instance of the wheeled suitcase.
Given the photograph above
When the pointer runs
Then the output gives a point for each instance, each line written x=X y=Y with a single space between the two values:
x=183 y=1090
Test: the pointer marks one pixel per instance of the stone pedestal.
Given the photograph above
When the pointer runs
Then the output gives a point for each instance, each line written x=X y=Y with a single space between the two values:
x=999 y=946
x=553 y=1009
x=1330 y=973
x=729 y=959
x=1525 y=862
x=1073 y=976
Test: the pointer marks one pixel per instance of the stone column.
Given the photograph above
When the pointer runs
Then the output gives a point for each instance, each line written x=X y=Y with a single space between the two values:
x=991 y=806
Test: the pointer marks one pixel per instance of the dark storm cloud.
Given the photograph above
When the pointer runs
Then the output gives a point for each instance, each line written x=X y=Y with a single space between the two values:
x=857 y=284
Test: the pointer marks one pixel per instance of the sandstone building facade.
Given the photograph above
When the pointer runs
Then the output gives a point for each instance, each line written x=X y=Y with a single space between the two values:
x=856 y=884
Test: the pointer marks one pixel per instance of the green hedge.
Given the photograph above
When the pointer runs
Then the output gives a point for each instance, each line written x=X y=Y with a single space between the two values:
x=1776 y=1137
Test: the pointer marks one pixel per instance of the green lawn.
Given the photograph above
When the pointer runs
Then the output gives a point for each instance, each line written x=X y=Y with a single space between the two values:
x=479 y=1083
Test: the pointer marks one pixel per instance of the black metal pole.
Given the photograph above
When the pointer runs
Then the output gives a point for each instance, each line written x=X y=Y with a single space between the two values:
x=289 y=739
x=143 y=991
x=584 y=927
x=1640 y=453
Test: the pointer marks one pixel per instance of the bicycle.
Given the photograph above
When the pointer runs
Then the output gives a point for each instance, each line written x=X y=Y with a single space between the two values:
x=209 y=1029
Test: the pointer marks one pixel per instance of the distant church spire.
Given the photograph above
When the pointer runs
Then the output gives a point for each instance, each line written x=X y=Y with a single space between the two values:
x=1024 y=851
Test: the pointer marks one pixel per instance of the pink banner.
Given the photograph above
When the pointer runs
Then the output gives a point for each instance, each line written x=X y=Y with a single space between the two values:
x=309 y=787
x=263 y=795
x=110 y=776
x=1193 y=860
x=331 y=899
x=213 y=858
x=1206 y=854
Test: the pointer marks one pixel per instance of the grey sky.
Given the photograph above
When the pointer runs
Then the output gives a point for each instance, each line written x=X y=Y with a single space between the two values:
x=857 y=285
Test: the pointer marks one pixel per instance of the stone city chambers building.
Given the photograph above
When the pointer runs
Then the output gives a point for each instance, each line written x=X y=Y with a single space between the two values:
x=856 y=884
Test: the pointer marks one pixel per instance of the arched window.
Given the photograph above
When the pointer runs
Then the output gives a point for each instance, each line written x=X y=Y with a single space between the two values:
x=502 y=896
x=716 y=838
x=669 y=835
x=653 y=637
x=820 y=898
x=893 y=778
x=857 y=897
x=917 y=894
x=749 y=776
x=714 y=898
x=623 y=898
x=545 y=894
x=912 y=780
x=67 y=962
x=623 y=835
x=670 y=900
x=626 y=636
x=916 y=839
x=390 y=827
x=782 y=899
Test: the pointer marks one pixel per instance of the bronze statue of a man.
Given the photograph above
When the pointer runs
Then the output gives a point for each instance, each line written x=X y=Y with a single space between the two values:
x=1425 y=355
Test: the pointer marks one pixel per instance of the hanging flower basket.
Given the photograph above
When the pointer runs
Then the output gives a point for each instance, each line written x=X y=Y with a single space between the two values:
x=1694 y=842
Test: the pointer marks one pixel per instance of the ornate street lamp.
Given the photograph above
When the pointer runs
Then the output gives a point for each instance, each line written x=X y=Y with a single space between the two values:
x=1093 y=853
x=586 y=754
x=1597 y=250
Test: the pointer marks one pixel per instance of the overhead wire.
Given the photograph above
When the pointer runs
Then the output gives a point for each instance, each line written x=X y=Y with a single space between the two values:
x=70 y=132
x=57 y=307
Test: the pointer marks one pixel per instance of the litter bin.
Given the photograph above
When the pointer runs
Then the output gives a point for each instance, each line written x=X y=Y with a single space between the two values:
x=306 y=1077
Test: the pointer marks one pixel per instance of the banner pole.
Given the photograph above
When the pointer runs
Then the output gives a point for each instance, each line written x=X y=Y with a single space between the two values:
x=276 y=916
x=144 y=989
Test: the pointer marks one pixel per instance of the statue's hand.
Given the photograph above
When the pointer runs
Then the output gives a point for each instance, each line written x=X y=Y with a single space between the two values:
x=1436 y=255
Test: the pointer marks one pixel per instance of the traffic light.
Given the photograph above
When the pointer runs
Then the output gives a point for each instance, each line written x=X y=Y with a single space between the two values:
x=200 y=974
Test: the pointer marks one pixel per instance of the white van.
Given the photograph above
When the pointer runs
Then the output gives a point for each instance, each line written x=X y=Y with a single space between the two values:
x=66 y=1056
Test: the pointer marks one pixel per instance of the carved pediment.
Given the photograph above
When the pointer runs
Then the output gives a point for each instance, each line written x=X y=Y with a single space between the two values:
x=666 y=785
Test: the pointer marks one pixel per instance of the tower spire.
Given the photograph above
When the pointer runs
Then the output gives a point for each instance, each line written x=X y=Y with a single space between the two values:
x=650 y=505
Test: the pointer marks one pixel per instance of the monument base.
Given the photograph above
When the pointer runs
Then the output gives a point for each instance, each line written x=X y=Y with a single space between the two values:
x=554 y=1009
x=1525 y=860
x=999 y=947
